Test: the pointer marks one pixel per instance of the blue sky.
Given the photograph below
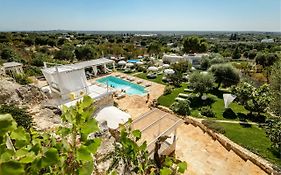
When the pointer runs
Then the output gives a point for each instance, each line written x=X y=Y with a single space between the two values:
x=179 y=15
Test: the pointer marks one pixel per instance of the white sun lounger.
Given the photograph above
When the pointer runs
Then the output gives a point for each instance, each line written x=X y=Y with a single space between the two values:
x=183 y=95
x=121 y=95
x=179 y=99
x=148 y=84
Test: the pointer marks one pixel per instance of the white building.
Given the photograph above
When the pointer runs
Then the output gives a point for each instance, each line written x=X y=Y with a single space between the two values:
x=267 y=41
x=194 y=59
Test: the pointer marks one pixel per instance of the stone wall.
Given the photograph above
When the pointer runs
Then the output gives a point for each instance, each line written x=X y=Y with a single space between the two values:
x=230 y=145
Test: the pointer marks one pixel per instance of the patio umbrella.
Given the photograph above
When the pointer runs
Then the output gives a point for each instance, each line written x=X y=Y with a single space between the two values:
x=139 y=63
x=166 y=65
x=129 y=64
x=121 y=62
x=152 y=68
x=169 y=71
x=228 y=98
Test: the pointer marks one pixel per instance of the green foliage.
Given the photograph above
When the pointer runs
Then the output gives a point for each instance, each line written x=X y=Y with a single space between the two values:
x=252 y=98
x=273 y=131
x=32 y=71
x=266 y=59
x=213 y=125
x=225 y=74
x=84 y=53
x=20 y=115
x=66 y=53
x=236 y=53
x=275 y=88
x=181 y=67
x=207 y=111
x=205 y=63
x=9 y=55
x=22 y=79
x=67 y=151
x=168 y=90
x=181 y=107
x=194 y=44
x=154 y=48
x=201 y=83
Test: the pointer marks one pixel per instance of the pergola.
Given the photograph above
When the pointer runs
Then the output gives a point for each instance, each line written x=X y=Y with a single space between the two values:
x=155 y=124
x=12 y=68
x=69 y=81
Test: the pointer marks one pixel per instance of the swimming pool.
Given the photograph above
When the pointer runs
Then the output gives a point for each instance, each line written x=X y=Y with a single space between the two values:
x=133 y=61
x=117 y=83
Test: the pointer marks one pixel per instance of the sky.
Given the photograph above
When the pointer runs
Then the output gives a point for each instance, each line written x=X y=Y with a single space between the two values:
x=141 y=15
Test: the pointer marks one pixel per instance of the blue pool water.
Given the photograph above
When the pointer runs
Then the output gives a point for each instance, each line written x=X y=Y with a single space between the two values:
x=117 y=83
x=133 y=61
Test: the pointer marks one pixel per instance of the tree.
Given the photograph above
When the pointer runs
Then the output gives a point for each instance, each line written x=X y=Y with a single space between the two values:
x=154 y=49
x=252 y=54
x=84 y=53
x=252 y=98
x=236 y=53
x=225 y=74
x=273 y=131
x=66 y=53
x=275 y=88
x=266 y=61
x=9 y=55
x=205 y=63
x=201 y=83
x=181 y=67
x=181 y=107
x=194 y=45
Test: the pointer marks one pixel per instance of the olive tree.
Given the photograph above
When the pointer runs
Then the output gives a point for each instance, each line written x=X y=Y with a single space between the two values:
x=275 y=88
x=201 y=83
x=225 y=74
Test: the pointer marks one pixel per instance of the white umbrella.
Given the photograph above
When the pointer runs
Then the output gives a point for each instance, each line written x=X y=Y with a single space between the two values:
x=152 y=58
x=169 y=71
x=129 y=64
x=140 y=57
x=166 y=65
x=228 y=98
x=121 y=62
x=139 y=63
x=152 y=68
x=193 y=68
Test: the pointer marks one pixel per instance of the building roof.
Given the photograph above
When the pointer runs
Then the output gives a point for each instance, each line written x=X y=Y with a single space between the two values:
x=78 y=66
x=11 y=64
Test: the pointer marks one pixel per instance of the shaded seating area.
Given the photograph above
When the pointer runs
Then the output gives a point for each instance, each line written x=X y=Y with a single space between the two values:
x=155 y=124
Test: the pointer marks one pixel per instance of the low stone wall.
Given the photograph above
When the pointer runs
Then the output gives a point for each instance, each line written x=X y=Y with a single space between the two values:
x=106 y=100
x=230 y=145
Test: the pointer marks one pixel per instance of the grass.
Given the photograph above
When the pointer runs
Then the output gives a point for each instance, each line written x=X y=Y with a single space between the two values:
x=158 y=79
x=253 y=138
x=167 y=100
x=215 y=100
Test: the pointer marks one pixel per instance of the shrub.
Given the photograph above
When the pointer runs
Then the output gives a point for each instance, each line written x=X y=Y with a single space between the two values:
x=207 y=111
x=20 y=115
x=213 y=126
x=168 y=90
x=229 y=114
x=22 y=79
x=181 y=107
x=33 y=71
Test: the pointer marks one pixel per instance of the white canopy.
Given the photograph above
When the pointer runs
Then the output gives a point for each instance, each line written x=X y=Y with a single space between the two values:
x=121 y=62
x=152 y=68
x=113 y=116
x=166 y=65
x=139 y=63
x=228 y=98
x=129 y=64
x=169 y=71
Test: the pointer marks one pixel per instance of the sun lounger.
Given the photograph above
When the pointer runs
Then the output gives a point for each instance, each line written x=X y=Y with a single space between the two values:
x=179 y=99
x=139 y=81
x=182 y=95
x=121 y=95
x=131 y=79
x=117 y=75
x=148 y=84
x=188 y=90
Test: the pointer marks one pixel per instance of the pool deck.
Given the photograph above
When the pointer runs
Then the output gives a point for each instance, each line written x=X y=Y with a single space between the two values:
x=136 y=105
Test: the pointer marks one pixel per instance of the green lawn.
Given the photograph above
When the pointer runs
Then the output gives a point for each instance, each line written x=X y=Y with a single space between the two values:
x=253 y=138
x=158 y=79
x=215 y=100
x=167 y=100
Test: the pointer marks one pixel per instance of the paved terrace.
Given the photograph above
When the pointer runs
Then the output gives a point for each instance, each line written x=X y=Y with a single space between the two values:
x=203 y=155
